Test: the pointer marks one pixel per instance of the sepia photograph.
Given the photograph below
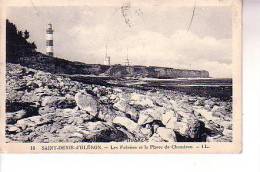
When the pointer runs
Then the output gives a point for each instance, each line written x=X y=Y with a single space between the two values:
x=123 y=72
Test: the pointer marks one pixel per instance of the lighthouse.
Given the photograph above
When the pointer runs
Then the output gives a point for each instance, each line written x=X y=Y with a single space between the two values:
x=49 y=40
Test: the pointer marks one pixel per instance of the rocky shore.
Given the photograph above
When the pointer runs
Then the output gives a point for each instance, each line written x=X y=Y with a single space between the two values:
x=44 y=107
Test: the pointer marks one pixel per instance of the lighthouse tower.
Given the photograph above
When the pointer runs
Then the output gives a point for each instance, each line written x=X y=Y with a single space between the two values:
x=49 y=40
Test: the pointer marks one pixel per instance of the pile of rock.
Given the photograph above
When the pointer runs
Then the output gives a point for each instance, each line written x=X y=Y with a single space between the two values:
x=43 y=107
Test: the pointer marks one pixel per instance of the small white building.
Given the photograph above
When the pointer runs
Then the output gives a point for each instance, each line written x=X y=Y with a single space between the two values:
x=107 y=59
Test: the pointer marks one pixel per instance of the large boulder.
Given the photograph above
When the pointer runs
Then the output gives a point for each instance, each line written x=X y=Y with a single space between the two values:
x=213 y=125
x=69 y=133
x=166 y=134
x=12 y=129
x=208 y=104
x=175 y=106
x=101 y=131
x=141 y=101
x=12 y=117
x=150 y=114
x=159 y=100
x=94 y=132
x=145 y=119
x=188 y=125
x=199 y=102
x=87 y=102
x=123 y=106
x=169 y=119
x=219 y=111
x=31 y=97
x=34 y=121
x=107 y=113
x=58 y=102
x=46 y=109
x=72 y=116
x=213 y=128
x=101 y=91
x=129 y=124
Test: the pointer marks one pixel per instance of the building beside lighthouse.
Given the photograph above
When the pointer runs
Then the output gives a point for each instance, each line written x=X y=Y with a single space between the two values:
x=49 y=40
x=107 y=59
x=127 y=61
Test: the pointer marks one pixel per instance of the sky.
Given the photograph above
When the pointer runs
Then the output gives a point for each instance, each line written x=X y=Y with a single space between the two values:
x=153 y=35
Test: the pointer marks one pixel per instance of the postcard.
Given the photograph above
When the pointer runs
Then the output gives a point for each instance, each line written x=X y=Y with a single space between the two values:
x=121 y=76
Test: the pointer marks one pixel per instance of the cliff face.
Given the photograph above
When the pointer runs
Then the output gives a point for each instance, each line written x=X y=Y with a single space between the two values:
x=154 y=72
x=56 y=65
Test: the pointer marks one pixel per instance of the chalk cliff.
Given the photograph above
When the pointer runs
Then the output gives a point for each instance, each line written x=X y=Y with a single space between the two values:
x=42 y=62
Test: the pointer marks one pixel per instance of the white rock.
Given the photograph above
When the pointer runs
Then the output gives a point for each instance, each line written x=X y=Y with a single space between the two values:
x=48 y=99
x=15 y=115
x=94 y=126
x=79 y=135
x=100 y=131
x=86 y=102
x=182 y=128
x=117 y=90
x=205 y=114
x=127 y=123
x=169 y=119
x=166 y=134
x=124 y=107
x=186 y=116
x=142 y=100
x=218 y=111
x=151 y=114
x=113 y=97
x=144 y=119
x=155 y=138
x=174 y=104
x=12 y=128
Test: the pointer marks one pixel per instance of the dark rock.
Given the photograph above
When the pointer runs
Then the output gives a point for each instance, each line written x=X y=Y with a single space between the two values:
x=58 y=102
x=94 y=132
x=46 y=109
x=106 y=113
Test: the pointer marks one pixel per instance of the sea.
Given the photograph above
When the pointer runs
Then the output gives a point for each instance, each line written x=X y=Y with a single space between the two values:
x=206 y=87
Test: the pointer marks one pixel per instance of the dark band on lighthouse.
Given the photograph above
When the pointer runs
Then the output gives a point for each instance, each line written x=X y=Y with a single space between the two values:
x=49 y=40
